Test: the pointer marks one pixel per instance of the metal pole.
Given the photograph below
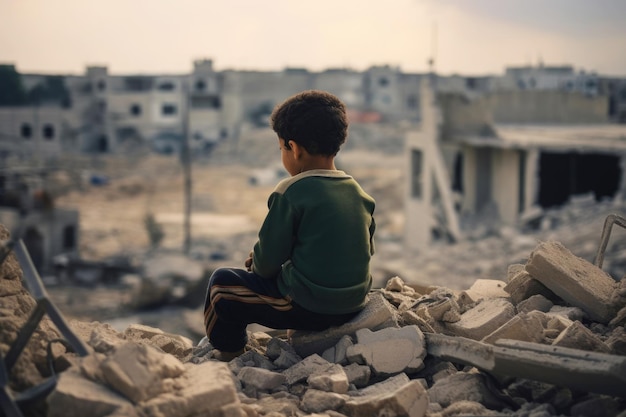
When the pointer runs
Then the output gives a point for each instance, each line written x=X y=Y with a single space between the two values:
x=186 y=163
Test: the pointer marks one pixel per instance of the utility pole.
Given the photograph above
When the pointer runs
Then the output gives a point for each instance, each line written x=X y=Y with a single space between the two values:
x=185 y=157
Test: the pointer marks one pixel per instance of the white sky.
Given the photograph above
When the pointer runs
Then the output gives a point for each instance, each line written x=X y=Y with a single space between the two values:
x=165 y=36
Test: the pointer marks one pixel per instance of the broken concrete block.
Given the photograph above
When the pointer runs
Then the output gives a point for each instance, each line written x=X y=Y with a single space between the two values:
x=569 y=313
x=526 y=327
x=535 y=302
x=389 y=351
x=409 y=399
x=260 y=378
x=617 y=341
x=411 y=318
x=309 y=365
x=138 y=371
x=463 y=386
x=522 y=286
x=275 y=346
x=174 y=344
x=76 y=396
x=574 y=279
x=287 y=359
x=359 y=375
x=316 y=401
x=483 y=319
x=337 y=353
x=445 y=309
x=210 y=390
x=333 y=379
x=482 y=289
x=395 y=284
x=377 y=314
x=577 y=336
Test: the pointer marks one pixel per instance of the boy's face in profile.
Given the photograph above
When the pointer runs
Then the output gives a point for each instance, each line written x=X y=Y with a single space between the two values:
x=288 y=158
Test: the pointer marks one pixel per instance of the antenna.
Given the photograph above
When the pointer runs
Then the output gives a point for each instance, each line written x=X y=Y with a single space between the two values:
x=433 y=48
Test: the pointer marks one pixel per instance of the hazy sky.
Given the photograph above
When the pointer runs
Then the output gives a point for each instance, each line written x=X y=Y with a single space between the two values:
x=165 y=36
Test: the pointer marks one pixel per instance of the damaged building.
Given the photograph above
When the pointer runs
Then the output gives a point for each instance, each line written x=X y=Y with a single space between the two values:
x=502 y=158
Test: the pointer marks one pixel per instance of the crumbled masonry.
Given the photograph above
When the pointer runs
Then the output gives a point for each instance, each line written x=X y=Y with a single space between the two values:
x=548 y=341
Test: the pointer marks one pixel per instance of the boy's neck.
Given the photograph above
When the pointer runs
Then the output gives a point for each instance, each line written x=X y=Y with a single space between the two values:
x=311 y=162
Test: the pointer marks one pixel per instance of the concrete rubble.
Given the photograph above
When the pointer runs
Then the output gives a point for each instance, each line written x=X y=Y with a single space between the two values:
x=547 y=340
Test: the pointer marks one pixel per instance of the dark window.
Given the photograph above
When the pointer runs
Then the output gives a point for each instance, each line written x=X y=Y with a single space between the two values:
x=411 y=102
x=416 y=174
x=167 y=86
x=168 y=109
x=135 y=110
x=27 y=131
x=200 y=85
x=138 y=83
x=206 y=102
x=69 y=237
x=48 y=132
x=383 y=81
x=102 y=85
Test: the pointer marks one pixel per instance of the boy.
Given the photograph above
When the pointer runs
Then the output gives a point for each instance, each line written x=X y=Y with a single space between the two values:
x=309 y=269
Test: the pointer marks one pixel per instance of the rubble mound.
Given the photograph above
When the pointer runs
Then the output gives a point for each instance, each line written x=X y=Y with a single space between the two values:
x=548 y=340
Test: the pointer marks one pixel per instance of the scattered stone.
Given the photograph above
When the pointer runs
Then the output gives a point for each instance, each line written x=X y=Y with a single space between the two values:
x=483 y=319
x=333 y=379
x=373 y=349
x=535 y=302
x=577 y=336
x=377 y=314
x=260 y=378
x=575 y=280
x=483 y=289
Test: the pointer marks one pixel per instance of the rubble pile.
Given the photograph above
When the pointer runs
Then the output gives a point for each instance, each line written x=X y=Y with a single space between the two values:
x=548 y=340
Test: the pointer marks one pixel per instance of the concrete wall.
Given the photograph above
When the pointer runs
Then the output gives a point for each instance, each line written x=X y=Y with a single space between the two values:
x=33 y=131
x=547 y=107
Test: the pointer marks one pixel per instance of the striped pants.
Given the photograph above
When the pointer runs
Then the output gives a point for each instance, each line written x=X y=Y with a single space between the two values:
x=236 y=298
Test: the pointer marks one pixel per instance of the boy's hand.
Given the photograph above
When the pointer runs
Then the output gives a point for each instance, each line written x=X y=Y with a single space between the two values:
x=248 y=262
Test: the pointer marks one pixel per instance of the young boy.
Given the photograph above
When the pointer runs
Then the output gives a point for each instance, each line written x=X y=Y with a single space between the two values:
x=309 y=269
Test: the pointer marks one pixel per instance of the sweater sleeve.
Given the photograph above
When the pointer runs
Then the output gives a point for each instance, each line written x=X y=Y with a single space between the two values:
x=276 y=237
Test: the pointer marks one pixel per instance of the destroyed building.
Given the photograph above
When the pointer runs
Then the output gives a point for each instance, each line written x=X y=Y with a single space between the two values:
x=503 y=157
x=27 y=209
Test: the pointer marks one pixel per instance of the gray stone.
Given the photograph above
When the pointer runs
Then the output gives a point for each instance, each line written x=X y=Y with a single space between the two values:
x=463 y=386
x=522 y=286
x=574 y=279
x=287 y=359
x=359 y=375
x=389 y=351
x=76 y=396
x=138 y=371
x=410 y=399
x=482 y=289
x=535 y=302
x=333 y=379
x=316 y=401
x=577 y=336
x=260 y=378
x=309 y=365
x=377 y=314
x=483 y=319
x=527 y=327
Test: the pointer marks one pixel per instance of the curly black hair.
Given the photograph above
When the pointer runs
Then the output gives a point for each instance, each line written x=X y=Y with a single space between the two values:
x=314 y=119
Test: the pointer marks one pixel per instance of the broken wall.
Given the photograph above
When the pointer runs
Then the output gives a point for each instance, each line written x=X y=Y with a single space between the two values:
x=547 y=107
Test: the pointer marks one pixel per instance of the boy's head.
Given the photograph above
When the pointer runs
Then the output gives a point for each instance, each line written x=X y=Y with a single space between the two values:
x=314 y=119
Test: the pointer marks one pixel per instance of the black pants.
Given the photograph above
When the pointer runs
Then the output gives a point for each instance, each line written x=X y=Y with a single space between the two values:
x=236 y=298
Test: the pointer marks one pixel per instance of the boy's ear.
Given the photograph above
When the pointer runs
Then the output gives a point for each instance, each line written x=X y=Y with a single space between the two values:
x=297 y=149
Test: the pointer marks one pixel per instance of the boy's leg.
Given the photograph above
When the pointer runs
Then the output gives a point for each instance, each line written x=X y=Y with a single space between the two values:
x=236 y=298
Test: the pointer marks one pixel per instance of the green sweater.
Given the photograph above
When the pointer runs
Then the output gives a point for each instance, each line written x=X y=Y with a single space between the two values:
x=317 y=240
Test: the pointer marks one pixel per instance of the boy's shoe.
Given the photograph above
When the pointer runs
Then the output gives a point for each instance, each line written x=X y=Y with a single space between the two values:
x=203 y=341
